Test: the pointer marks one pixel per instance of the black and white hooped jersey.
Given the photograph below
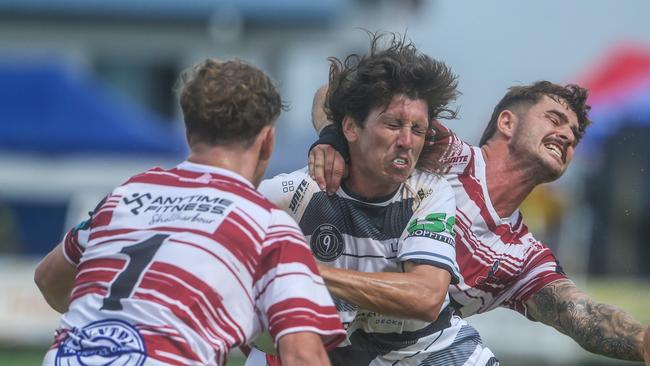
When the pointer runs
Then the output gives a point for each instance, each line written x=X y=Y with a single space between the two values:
x=413 y=224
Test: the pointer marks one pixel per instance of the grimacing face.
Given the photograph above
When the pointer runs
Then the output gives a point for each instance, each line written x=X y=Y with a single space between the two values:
x=385 y=150
x=546 y=137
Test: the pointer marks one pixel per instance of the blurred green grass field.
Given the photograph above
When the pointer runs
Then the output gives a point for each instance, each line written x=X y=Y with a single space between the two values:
x=631 y=295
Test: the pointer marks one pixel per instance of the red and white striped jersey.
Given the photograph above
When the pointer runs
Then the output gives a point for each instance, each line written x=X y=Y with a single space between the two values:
x=179 y=266
x=501 y=263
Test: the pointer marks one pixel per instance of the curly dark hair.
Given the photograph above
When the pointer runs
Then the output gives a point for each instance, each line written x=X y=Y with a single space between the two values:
x=528 y=95
x=360 y=83
x=226 y=101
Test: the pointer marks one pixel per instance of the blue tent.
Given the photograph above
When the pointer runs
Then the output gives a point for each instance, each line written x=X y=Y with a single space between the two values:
x=53 y=108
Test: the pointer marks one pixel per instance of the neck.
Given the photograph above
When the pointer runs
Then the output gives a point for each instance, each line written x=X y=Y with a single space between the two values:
x=509 y=181
x=239 y=160
x=362 y=185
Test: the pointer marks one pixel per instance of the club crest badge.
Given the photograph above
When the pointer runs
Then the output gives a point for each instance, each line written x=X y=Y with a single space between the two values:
x=327 y=243
x=102 y=343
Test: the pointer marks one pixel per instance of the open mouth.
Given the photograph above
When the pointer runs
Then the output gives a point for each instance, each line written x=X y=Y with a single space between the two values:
x=555 y=150
x=400 y=162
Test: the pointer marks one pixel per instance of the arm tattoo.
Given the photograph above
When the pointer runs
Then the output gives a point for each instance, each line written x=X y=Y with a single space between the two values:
x=598 y=328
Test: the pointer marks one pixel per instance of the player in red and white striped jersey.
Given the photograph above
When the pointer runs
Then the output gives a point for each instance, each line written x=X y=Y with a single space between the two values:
x=529 y=140
x=502 y=264
x=178 y=266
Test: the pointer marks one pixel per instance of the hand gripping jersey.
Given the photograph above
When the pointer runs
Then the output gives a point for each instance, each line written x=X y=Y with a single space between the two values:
x=413 y=224
x=501 y=263
x=176 y=267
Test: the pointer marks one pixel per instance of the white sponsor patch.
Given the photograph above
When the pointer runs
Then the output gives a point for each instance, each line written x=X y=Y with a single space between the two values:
x=146 y=206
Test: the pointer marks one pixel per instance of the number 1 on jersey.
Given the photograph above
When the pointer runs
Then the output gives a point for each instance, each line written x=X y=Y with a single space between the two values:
x=140 y=255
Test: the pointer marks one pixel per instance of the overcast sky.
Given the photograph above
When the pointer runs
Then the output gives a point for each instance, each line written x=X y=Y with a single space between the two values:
x=494 y=44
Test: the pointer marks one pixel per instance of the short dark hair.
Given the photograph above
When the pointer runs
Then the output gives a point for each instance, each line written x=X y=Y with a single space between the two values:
x=528 y=95
x=227 y=101
x=360 y=83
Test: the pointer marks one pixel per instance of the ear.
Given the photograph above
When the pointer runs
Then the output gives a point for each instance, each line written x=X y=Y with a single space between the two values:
x=507 y=122
x=268 y=141
x=350 y=129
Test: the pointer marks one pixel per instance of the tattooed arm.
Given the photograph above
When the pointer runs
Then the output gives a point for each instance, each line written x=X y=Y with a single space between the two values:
x=598 y=328
x=646 y=346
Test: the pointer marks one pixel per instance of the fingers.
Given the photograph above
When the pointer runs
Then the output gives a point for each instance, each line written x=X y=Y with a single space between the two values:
x=327 y=167
x=338 y=172
x=310 y=163
x=317 y=165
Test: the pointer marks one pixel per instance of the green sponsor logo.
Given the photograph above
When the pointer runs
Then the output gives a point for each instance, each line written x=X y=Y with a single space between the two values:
x=435 y=222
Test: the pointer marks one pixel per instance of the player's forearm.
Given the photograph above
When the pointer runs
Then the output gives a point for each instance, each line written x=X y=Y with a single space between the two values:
x=389 y=293
x=302 y=349
x=318 y=116
x=646 y=346
x=58 y=299
x=320 y=124
x=599 y=328
x=54 y=277
x=56 y=293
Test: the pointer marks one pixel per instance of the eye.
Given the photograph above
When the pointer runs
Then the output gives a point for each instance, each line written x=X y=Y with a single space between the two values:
x=419 y=130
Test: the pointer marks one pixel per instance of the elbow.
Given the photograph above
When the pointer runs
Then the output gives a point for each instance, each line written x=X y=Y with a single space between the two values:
x=40 y=277
x=429 y=307
x=49 y=287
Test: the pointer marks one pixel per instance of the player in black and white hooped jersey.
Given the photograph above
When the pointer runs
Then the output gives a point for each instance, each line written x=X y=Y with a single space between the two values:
x=384 y=239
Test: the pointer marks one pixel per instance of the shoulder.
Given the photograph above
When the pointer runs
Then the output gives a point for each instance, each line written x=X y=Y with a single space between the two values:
x=155 y=175
x=288 y=191
x=284 y=182
x=431 y=194
x=428 y=186
x=458 y=153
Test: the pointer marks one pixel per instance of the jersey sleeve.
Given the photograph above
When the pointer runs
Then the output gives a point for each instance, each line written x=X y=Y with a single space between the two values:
x=457 y=152
x=429 y=238
x=290 y=292
x=540 y=269
x=288 y=191
x=76 y=239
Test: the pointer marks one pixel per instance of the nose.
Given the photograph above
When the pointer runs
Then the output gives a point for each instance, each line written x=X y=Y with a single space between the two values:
x=567 y=135
x=405 y=138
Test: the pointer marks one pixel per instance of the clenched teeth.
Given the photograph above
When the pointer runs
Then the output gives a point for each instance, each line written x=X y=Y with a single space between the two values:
x=399 y=161
x=554 y=149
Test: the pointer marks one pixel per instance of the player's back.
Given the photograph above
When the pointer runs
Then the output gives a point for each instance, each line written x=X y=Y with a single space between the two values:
x=167 y=271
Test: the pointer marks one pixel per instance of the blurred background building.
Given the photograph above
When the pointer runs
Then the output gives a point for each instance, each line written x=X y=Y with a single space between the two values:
x=87 y=98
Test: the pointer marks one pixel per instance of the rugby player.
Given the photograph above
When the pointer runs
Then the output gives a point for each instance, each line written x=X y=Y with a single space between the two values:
x=178 y=266
x=529 y=140
x=385 y=239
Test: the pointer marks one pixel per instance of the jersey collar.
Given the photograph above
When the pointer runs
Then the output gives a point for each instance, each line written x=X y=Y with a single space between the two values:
x=376 y=200
x=202 y=168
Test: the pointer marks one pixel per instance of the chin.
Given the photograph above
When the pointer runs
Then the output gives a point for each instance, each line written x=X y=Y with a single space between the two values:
x=552 y=173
